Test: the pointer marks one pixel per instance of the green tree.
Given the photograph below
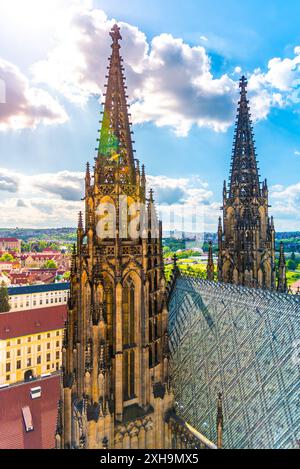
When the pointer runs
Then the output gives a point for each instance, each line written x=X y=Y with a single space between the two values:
x=291 y=265
x=51 y=264
x=293 y=256
x=4 y=299
x=7 y=257
x=66 y=275
x=54 y=246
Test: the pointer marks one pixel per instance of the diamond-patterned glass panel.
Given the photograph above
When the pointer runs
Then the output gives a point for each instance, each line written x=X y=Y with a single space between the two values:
x=244 y=343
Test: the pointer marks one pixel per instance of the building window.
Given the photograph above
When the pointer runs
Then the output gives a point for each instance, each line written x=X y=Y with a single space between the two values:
x=48 y=346
x=57 y=355
x=7 y=367
x=41 y=302
x=128 y=313
x=57 y=332
x=38 y=360
x=18 y=341
x=28 y=349
x=18 y=364
x=128 y=374
x=29 y=339
x=18 y=352
x=48 y=367
x=48 y=335
x=7 y=377
x=28 y=361
x=38 y=348
x=7 y=354
x=57 y=366
x=8 y=343
x=48 y=357
x=39 y=337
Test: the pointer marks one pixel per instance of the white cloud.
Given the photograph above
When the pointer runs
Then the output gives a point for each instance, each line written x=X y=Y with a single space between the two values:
x=46 y=199
x=9 y=182
x=54 y=199
x=169 y=82
x=66 y=184
x=26 y=106
x=297 y=152
x=277 y=87
x=189 y=191
x=285 y=203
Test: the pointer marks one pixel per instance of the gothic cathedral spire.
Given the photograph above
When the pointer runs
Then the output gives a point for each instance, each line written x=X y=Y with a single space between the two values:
x=210 y=264
x=115 y=158
x=281 y=281
x=244 y=178
x=247 y=237
x=115 y=389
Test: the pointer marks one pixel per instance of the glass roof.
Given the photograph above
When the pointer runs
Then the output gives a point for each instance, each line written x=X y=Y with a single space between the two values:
x=244 y=343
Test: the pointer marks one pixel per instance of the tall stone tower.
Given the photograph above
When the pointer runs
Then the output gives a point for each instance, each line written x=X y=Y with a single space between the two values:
x=247 y=237
x=115 y=386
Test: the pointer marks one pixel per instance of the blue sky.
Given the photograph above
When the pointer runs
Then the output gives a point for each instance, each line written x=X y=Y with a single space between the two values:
x=183 y=61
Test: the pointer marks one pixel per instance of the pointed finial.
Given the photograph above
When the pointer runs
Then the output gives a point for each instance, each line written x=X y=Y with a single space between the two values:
x=243 y=84
x=281 y=274
x=143 y=177
x=210 y=263
x=115 y=34
x=281 y=255
x=87 y=174
x=80 y=223
x=151 y=196
x=224 y=190
x=220 y=421
x=73 y=260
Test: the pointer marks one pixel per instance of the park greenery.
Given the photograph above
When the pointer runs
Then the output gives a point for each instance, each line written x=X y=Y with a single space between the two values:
x=50 y=264
x=4 y=299
x=7 y=257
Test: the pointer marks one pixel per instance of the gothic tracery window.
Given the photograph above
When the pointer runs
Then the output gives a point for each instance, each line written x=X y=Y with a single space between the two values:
x=128 y=328
x=128 y=313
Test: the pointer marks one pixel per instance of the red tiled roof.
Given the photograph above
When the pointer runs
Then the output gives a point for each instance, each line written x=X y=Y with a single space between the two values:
x=295 y=285
x=43 y=410
x=32 y=321
x=10 y=240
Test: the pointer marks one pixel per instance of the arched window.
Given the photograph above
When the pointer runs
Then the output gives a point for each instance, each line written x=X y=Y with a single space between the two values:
x=128 y=375
x=128 y=313
x=128 y=328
